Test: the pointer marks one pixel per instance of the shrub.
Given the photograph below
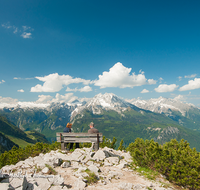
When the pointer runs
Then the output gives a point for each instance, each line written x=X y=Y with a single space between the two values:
x=176 y=160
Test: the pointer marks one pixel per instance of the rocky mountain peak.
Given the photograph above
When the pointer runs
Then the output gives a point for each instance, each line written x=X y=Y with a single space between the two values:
x=163 y=105
x=107 y=101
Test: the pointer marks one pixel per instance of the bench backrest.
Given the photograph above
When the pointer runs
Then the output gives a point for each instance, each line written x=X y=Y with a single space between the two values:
x=79 y=137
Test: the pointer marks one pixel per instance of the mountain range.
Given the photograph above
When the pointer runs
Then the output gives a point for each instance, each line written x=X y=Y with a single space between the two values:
x=184 y=114
x=161 y=119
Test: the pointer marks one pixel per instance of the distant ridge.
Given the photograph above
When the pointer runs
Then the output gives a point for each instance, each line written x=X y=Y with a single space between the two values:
x=114 y=117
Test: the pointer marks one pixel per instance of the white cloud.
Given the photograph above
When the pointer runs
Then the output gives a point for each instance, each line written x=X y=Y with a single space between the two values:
x=21 y=90
x=151 y=81
x=160 y=79
x=8 y=100
x=27 y=28
x=64 y=98
x=120 y=76
x=26 y=35
x=191 y=76
x=25 y=31
x=181 y=97
x=54 y=82
x=180 y=78
x=84 y=89
x=15 y=30
x=166 y=88
x=192 y=84
x=44 y=99
x=71 y=90
x=6 y=25
x=17 y=78
x=144 y=91
x=2 y=81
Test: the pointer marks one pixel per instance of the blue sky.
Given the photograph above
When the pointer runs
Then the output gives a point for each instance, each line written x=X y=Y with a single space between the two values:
x=61 y=50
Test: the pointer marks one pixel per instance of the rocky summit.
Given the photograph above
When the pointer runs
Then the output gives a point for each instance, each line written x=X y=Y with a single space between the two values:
x=72 y=170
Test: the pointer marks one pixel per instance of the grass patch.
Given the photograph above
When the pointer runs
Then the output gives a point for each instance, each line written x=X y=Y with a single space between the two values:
x=92 y=178
x=51 y=170
x=148 y=173
x=38 y=169
x=19 y=141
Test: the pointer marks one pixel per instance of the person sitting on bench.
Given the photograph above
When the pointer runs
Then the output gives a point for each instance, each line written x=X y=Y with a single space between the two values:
x=92 y=129
x=68 y=130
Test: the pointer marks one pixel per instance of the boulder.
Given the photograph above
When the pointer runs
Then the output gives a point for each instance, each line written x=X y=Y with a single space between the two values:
x=139 y=186
x=16 y=182
x=57 y=162
x=121 y=166
x=107 y=163
x=45 y=170
x=25 y=183
x=66 y=164
x=6 y=186
x=100 y=155
x=75 y=156
x=90 y=163
x=81 y=169
x=57 y=180
x=113 y=160
x=94 y=169
x=43 y=183
x=79 y=184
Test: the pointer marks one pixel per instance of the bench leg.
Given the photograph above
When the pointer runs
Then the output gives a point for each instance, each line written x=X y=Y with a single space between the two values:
x=63 y=146
x=96 y=146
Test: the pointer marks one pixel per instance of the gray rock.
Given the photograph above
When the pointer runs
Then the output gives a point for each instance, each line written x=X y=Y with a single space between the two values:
x=94 y=169
x=6 y=186
x=57 y=180
x=138 y=186
x=43 y=183
x=100 y=155
x=125 y=186
x=24 y=183
x=29 y=161
x=81 y=169
x=45 y=170
x=113 y=160
x=75 y=156
x=16 y=182
x=92 y=154
x=123 y=165
x=79 y=184
x=66 y=164
x=75 y=165
x=90 y=163
x=107 y=163
x=57 y=162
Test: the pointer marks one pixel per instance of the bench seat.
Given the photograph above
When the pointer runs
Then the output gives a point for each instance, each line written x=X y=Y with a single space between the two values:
x=65 y=138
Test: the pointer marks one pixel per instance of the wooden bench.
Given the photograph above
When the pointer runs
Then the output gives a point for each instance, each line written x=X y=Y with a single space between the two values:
x=65 y=138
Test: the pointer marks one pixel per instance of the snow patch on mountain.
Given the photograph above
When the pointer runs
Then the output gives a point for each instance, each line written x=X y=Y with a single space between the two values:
x=24 y=105
x=100 y=102
x=163 y=105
